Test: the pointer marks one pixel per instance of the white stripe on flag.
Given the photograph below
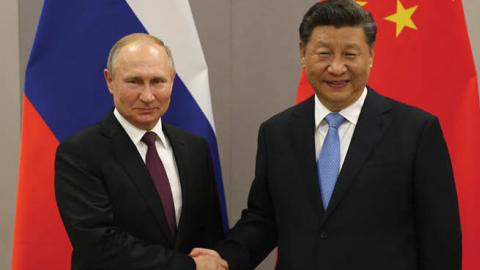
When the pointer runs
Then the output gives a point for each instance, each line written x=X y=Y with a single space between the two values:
x=172 y=21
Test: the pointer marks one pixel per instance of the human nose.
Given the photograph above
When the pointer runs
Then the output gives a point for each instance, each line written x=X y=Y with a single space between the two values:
x=337 y=66
x=147 y=94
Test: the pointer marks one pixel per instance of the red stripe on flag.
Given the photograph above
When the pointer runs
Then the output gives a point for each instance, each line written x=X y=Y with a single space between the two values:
x=40 y=240
x=462 y=134
x=305 y=90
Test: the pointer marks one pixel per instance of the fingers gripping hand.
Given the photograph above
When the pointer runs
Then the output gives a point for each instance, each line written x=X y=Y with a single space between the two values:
x=206 y=262
x=207 y=259
x=204 y=251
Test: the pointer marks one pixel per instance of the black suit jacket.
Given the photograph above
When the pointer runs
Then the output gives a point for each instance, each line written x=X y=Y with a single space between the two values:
x=112 y=212
x=394 y=205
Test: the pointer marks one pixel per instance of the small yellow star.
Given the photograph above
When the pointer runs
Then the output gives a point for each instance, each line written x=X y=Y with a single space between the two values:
x=361 y=3
x=403 y=17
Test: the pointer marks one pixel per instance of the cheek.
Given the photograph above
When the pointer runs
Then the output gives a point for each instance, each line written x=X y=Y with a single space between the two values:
x=317 y=67
x=362 y=72
x=128 y=97
x=164 y=94
x=315 y=72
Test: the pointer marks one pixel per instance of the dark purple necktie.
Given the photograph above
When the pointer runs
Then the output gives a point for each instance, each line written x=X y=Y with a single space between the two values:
x=160 y=179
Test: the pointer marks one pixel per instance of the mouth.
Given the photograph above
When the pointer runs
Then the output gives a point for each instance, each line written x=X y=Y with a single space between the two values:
x=337 y=83
x=145 y=110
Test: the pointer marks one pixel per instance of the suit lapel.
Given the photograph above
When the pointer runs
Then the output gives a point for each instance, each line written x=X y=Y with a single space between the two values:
x=372 y=123
x=181 y=154
x=302 y=133
x=130 y=160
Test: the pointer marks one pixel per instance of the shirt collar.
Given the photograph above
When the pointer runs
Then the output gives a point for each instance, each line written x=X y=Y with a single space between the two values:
x=350 y=113
x=135 y=133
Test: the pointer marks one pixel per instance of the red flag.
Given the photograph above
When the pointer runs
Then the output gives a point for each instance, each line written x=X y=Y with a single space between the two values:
x=423 y=57
x=40 y=239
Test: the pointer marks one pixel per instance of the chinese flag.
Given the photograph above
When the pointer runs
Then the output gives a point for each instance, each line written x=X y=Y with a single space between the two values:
x=423 y=57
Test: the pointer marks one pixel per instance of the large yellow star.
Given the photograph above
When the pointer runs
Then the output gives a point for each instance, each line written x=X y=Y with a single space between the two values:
x=403 y=17
x=361 y=3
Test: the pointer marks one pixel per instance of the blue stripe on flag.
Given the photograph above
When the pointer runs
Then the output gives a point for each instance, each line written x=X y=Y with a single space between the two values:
x=64 y=78
x=185 y=113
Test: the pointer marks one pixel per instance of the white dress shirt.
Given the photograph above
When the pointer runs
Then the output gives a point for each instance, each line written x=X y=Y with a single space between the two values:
x=165 y=152
x=345 y=131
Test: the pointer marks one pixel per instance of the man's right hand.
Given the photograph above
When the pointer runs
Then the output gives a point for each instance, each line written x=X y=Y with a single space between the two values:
x=206 y=259
x=206 y=262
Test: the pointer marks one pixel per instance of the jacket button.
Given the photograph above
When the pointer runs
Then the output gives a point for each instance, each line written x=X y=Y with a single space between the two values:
x=323 y=235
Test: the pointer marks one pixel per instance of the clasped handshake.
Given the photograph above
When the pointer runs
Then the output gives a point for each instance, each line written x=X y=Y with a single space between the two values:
x=207 y=259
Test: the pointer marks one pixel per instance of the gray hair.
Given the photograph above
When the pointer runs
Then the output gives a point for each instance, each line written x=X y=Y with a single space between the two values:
x=132 y=38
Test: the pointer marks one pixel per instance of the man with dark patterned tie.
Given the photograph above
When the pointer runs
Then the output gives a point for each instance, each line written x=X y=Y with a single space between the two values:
x=133 y=192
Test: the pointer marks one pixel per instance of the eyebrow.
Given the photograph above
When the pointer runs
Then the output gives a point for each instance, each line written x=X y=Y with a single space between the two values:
x=327 y=44
x=352 y=46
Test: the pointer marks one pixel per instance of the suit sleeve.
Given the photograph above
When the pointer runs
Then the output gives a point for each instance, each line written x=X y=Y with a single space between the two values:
x=436 y=206
x=254 y=235
x=214 y=227
x=87 y=214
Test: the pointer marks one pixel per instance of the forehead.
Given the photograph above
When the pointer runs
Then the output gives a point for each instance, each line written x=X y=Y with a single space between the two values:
x=138 y=55
x=344 y=36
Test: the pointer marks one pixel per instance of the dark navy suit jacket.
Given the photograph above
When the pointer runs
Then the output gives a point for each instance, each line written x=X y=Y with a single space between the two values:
x=394 y=205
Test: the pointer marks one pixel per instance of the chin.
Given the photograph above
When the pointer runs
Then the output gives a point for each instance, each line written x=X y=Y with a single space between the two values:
x=337 y=98
x=146 y=123
x=146 y=126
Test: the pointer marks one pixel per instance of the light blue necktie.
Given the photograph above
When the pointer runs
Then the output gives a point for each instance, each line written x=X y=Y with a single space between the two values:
x=329 y=161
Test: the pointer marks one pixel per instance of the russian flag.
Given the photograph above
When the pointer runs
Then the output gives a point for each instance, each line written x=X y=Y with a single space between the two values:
x=65 y=92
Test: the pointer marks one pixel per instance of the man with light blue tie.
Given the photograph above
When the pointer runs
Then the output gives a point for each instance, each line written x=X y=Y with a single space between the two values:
x=348 y=179
x=328 y=164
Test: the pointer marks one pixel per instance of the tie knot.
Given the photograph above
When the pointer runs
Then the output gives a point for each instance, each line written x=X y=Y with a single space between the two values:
x=149 y=138
x=334 y=120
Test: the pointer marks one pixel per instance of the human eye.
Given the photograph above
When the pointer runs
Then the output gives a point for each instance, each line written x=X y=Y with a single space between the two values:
x=158 y=80
x=323 y=54
x=133 y=81
x=351 y=55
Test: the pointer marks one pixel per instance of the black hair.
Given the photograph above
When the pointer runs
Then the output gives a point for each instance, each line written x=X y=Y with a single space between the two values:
x=338 y=13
